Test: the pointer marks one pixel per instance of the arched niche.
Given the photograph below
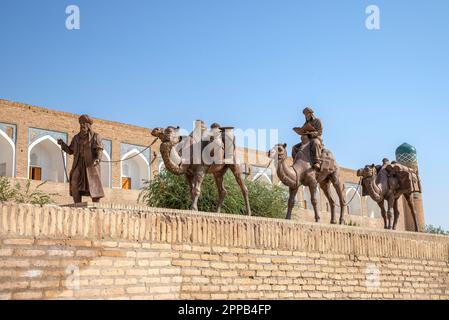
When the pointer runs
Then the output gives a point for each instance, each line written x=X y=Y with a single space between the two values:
x=134 y=171
x=355 y=206
x=45 y=161
x=106 y=170
x=7 y=155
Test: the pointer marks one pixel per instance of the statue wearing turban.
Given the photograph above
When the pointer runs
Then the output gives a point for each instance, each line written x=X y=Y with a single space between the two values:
x=87 y=149
x=313 y=131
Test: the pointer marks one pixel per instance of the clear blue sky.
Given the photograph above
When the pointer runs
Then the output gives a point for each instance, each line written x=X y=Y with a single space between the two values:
x=247 y=63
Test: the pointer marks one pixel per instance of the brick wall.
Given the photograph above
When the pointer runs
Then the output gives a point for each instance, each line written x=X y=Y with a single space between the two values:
x=76 y=253
x=27 y=116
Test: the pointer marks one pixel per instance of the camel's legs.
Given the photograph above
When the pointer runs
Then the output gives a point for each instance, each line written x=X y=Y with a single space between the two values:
x=291 y=202
x=325 y=186
x=383 y=212
x=408 y=197
x=390 y=201
x=189 y=179
x=339 y=189
x=313 y=199
x=196 y=188
x=219 y=180
x=237 y=171
x=396 y=213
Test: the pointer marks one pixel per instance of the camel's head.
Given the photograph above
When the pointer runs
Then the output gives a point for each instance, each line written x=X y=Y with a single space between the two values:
x=158 y=133
x=169 y=134
x=279 y=150
x=367 y=172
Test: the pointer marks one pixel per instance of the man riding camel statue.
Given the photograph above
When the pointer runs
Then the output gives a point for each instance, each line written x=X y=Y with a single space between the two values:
x=311 y=131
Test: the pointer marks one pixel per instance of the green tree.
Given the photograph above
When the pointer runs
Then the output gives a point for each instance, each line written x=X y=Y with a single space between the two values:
x=167 y=190
x=435 y=230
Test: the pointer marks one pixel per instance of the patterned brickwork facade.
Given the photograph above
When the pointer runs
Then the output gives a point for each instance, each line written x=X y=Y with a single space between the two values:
x=76 y=253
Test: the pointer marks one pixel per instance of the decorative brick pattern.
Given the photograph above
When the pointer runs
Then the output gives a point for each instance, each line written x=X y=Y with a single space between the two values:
x=75 y=253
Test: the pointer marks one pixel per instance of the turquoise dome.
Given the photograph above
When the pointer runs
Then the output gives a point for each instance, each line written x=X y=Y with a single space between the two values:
x=406 y=148
x=406 y=153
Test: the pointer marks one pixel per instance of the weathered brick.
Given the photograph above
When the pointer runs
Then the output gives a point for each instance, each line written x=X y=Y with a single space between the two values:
x=39 y=284
x=27 y=295
x=14 y=263
x=113 y=291
x=13 y=285
x=18 y=241
x=6 y=252
x=159 y=289
x=101 y=282
x=29 y=253
x=135 y=290
x=61 y=253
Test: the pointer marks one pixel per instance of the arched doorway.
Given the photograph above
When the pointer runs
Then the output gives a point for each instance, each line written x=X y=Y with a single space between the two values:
x=45 y=161
x=106 y=170
x=161 y=166
x=355 y=206
x=7 y=155
x=135 y=171
x=373 y=208
x=262 y=177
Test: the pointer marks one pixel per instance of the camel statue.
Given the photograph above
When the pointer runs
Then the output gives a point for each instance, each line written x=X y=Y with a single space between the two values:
x=302 y=173
x=381 y=186
x=195 y=173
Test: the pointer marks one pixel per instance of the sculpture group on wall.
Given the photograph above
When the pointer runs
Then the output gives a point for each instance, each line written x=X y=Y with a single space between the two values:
x=387 y=183
x=178 y=154
x=213 y=151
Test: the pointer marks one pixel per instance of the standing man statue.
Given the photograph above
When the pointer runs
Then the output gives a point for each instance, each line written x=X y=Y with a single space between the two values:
x=85 y=176
x=313 y=130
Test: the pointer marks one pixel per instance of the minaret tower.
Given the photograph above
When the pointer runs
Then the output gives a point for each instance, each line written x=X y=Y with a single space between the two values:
x=407 y=155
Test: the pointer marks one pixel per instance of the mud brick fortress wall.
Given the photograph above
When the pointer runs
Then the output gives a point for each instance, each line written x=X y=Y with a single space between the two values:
x=86 y=253
x=18 y=121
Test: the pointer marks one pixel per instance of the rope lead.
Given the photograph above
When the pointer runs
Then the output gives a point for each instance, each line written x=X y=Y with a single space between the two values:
x=108 y=161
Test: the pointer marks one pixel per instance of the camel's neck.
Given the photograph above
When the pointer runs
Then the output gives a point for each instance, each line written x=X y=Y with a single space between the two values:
x=373 y=189
x=171 y=158
x=287 y=174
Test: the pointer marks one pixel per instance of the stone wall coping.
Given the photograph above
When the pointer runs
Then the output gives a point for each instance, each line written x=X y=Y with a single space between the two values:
x=158 y=225
x=243 y=218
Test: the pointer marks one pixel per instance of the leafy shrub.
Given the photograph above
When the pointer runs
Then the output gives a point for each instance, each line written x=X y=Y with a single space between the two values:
x=352 y=223
x=167 y=190
x=17 y=195
x=7 y=193
x=435 y=230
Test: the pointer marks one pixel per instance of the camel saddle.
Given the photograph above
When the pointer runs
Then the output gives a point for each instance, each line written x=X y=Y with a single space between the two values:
x=408 y=178
x=218 y=141
x=328 y=162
